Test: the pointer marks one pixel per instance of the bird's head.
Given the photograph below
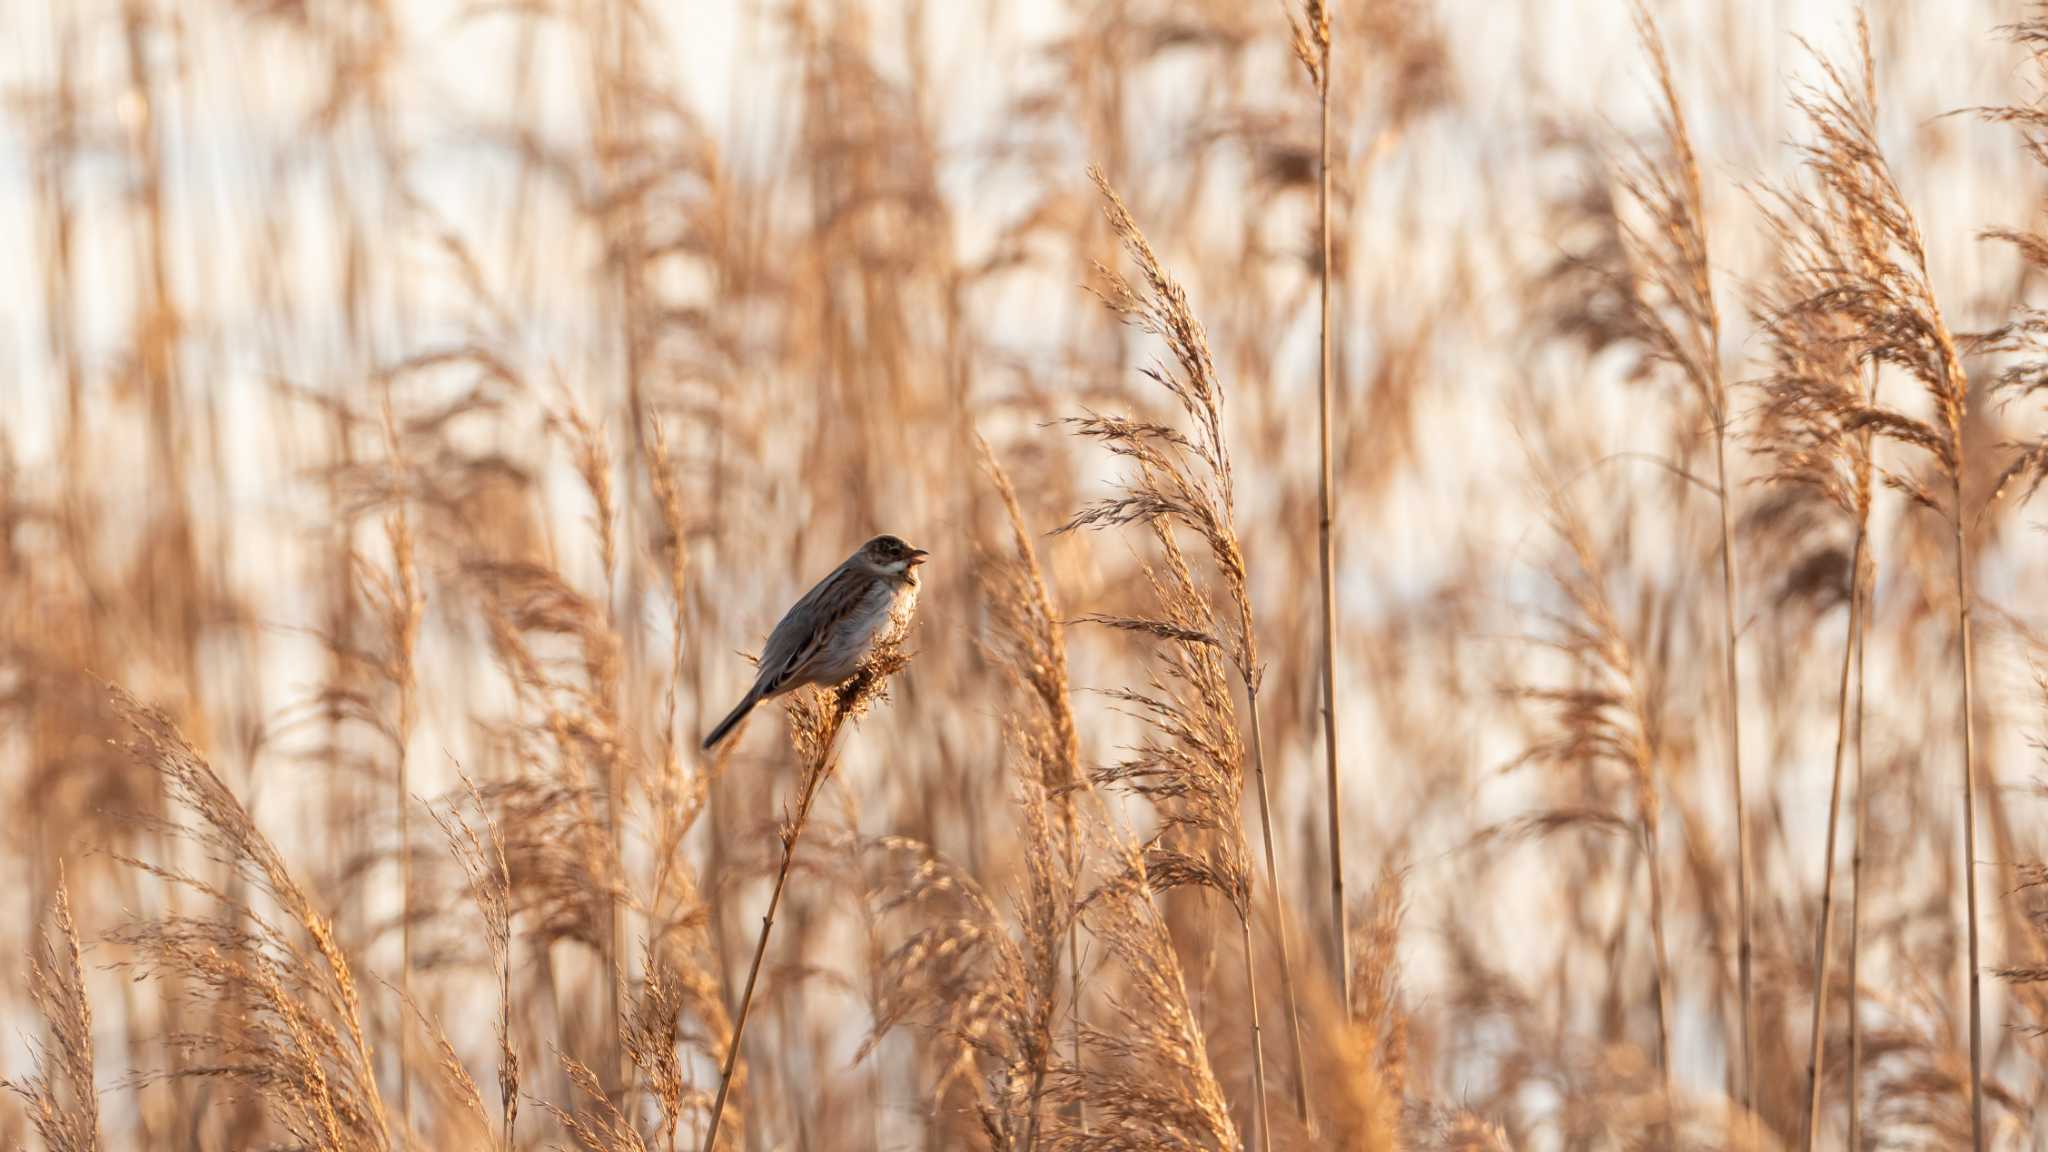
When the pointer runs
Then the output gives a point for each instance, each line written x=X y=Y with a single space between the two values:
x=891 y=555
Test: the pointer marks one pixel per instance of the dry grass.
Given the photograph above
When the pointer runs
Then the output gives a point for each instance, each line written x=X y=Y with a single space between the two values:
x=417 y=411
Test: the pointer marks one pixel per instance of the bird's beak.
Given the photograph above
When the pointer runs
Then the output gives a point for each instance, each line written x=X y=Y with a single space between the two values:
x=918 y=556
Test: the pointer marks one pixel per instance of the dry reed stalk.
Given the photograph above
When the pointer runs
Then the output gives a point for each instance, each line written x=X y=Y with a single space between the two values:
x=1185 y=478
x=1888 y=296
x=677 y=976
x=1312 y=48
x=1861 y=640
x=1648 y=288
x=1152 y=1085
x=1034 y=641
x=300 y=1047
x=1806 y=428
x=404 y=606
x=1604 y=718
x=62 y=1101
x=593 y=459
x=815 y=719
x=1675 y=315
x=488 y=874
x=1816 y=1048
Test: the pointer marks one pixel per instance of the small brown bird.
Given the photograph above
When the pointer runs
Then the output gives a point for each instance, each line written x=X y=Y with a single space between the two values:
x=825 y=636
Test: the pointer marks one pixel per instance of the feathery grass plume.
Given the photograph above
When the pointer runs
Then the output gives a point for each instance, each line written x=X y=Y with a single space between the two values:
x=299 y=1047
x=1360 y=1063
x=676 y=1015
x=1822 y=465
x=1602 y=720
x=2024 y=340
x=1192 y=768
x=488 y=872
x=1676 y=319
x=1644 y=284
x=815 y=719
x=593 y=461
x=1312 y=48
x=600 y=1125
x=1444 y=1130
x=1886 y=293
x=1150 y=1084
x=987 y=993
x=1031 y=647
x=561 y=659
x=1376 y=981
x=63 y=1103
x=678 y=1005
x=1185 y=478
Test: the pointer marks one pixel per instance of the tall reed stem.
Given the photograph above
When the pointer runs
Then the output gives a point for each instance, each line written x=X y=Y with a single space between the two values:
x=1856 y=889
x=1251 y=688
x=1816 y=1046
x=1745 y=945
x=815 y=732
x=1663 y=960
x=1340 y=923
x=1969 y=791
x=792 y=830
x=1074 y=950
x=1251 y=983
x=739 y=1024
x=405 y=607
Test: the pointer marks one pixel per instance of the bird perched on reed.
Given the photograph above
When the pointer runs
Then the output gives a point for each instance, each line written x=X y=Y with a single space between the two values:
x=826 y=635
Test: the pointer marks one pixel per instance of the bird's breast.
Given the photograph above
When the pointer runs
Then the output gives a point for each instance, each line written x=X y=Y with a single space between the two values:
x=901 y=607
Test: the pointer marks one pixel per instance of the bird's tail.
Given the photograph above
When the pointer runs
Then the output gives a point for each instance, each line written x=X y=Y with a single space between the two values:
x=731 y=721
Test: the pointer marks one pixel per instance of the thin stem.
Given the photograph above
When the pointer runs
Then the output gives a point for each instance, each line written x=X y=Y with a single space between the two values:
x=1969 y=803
x=1279 y=907
x=1861 y=640
x=1745 y=945
x=406 y=607
x=1042 y=1062
x=404 y=953
x=1074 y=951
x=508 y=1103
x=849 y=699
x=739 y=1025
x=1816 y=1047
x=1662 y=974
x=1340 y=925
x=1251 y=983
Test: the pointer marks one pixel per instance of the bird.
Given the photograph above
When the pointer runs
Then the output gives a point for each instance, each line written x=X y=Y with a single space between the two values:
x=825 y=636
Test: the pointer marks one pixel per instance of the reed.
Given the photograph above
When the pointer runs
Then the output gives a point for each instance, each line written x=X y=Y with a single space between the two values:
x=815 y=720
x=410 y=415
x=1312 y=48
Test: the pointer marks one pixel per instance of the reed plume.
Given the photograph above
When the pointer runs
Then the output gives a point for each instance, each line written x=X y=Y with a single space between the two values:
x=1600 y=721
x=300 y=1047
x=1821 y=463
x=1676 y=318
x=61 y=1096
x=1886 y=296
x=1184 y=478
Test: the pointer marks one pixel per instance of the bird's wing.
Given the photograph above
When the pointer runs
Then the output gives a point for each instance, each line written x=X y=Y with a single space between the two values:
x=803 y=631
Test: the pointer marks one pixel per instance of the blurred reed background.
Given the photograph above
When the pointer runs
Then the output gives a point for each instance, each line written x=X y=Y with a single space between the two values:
x=412 y=413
